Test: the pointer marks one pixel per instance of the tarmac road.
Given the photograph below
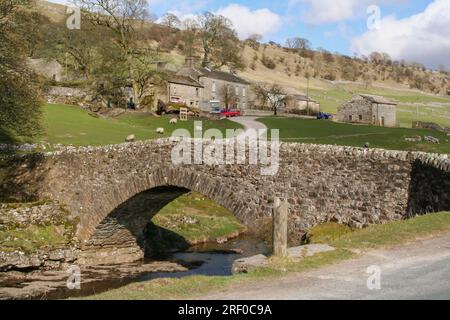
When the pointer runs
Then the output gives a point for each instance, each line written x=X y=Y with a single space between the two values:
x=419 y=270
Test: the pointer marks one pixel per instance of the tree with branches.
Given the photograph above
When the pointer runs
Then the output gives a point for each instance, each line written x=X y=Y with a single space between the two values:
x=298 y=43
x=271 y=96
x=229 y=96
x=171 y=20
x=20 y=111
x=122 y=18
x=219 y=41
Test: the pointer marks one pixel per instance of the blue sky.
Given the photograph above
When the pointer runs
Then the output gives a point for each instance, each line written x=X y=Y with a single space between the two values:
x=408 y=29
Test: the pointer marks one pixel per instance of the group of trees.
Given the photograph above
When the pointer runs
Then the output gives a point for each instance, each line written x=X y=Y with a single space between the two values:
x=116 y=43
x=20 y=110
x=209 y=36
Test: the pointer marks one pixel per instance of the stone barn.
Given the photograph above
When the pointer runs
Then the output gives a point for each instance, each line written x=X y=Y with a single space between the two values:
x=369 y=109
x=301 y=104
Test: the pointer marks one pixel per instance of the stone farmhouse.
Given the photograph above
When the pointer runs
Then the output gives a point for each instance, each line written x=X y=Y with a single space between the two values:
x=208 y=89
x=182 y=89
x=369 y=109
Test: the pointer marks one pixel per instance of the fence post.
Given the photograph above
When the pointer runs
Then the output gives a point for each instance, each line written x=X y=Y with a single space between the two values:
x=280 y=228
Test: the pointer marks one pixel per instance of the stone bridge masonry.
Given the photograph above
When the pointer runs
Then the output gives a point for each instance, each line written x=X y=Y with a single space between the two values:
x=114 y=191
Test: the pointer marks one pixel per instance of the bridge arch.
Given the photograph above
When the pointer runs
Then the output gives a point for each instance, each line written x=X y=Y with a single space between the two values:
x=124 y=212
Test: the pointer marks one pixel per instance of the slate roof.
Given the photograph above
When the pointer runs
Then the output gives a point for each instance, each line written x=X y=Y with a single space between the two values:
x=212 y=74
x=220 y=75
x=184 y=80
x=377 y=99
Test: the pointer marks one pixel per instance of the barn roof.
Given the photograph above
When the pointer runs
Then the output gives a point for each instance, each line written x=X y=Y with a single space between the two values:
x=377 y=99
x=301 y=97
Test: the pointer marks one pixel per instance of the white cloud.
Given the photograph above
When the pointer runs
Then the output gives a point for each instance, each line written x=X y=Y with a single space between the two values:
x=423 y=37
x=247 y=22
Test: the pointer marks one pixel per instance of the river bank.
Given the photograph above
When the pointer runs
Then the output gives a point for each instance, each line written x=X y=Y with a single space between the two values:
x=211 y=259
x=190 y=235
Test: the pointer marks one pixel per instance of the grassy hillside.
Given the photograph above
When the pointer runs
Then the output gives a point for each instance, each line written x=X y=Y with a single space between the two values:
x=333 y=78
x=72 y=125
x=327 y=132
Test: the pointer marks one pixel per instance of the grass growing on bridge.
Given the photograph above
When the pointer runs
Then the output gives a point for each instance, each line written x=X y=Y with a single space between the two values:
x=32 y=238
x=69 y=125
x=332 y=133
x=378 y=236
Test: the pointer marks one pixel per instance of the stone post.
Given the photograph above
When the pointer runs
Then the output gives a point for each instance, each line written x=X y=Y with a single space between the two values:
x=280 y=228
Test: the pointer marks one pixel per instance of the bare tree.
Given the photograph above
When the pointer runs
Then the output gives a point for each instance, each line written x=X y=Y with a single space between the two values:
x=271 y=96
x=254 y=41
x=213 y=29
x=171 y=20
x=229 y=96
x=122 y=17
x=189 y=36
x=298 y=43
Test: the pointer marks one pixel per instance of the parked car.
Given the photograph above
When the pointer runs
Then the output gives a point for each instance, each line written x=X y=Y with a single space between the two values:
x=216 y=110
x=229 y=113
x=324 y=116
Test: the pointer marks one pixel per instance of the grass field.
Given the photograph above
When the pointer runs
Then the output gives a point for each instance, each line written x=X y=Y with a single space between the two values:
x=72 y=125
x=208 y=221
x=328 y=132
x=373 y=237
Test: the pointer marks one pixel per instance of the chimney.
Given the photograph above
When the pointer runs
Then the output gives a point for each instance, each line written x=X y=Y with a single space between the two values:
x=189 y=62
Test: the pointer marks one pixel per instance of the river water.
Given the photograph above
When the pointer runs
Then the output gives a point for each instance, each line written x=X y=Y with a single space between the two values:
x=209 y=259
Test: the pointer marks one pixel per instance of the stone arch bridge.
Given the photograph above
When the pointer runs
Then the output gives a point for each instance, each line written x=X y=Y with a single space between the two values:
x=114 y=191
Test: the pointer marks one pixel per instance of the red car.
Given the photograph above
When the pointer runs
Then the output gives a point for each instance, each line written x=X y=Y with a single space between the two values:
x=230 y=113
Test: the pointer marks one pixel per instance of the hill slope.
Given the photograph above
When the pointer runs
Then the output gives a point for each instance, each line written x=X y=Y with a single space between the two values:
x=333 y=78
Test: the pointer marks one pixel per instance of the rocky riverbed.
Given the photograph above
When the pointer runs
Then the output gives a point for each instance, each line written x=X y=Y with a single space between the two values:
x=206 y=259
x=54 y=283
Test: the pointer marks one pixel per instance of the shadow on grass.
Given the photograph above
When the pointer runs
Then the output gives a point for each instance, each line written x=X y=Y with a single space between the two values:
x=6 y=138
x=160 y=241
x=18 y=177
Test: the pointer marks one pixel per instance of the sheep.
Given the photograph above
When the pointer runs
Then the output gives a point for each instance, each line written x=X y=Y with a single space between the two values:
x=173 y=121
x=160 y=130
